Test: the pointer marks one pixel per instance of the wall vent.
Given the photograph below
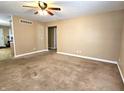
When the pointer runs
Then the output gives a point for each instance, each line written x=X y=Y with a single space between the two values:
x=26 y=21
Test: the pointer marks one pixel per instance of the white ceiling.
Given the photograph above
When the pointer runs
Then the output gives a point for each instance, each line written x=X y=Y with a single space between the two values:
x=69 y=9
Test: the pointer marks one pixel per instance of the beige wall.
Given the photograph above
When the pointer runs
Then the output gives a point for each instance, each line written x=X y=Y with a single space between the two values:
x=94 y=36
x=28 y=37
x=121 y=61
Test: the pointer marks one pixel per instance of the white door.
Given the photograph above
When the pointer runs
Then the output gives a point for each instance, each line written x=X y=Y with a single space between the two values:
x=1 y=38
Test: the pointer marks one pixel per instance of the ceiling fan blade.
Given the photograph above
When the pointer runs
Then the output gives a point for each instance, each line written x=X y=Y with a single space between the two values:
x=54 y=8
x=29 y=6
x=36 y=12
x=49 y=12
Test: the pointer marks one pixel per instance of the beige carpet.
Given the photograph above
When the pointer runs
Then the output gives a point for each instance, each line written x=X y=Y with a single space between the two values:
x=51 y=71
x=5 y=53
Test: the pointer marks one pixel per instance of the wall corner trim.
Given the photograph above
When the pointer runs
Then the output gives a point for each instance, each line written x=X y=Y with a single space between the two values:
x=91 y=58
x=25 y=54
x=120 y=73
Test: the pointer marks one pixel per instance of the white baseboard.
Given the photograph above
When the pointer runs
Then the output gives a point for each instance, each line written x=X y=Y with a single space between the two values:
x=120 y=72
x=91 y=58
x=16 y=56
x=96 y=59
x=85 y=57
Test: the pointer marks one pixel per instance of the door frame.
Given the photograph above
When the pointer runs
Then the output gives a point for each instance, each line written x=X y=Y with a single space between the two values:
x=13 y=35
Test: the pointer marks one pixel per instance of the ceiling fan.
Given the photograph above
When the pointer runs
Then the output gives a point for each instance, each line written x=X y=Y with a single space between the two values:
x=43 y=7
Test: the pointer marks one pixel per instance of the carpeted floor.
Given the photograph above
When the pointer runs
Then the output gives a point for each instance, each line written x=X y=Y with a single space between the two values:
x=51 y=71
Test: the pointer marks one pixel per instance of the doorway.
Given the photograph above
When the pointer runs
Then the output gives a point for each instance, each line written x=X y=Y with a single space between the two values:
x=52 y=38
x=6 y=38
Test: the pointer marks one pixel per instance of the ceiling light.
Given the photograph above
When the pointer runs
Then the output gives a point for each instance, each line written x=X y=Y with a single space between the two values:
x=42 y=12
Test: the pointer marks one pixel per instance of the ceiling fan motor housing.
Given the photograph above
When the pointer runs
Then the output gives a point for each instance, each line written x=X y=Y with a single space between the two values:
x=43 y=6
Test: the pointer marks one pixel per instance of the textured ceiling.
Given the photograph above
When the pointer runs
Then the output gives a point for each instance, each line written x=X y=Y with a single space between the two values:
x=69 y=9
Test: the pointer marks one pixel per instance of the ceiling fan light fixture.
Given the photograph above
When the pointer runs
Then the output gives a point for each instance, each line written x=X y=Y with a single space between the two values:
x=42 y=12
x=43 y=9
x=45 y=12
